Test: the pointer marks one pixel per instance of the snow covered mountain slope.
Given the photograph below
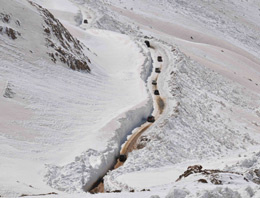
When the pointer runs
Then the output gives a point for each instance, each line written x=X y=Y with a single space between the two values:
x=44 y=30
x=199 y=130
x=212 y=93
x=50 y=114
x=63 y=128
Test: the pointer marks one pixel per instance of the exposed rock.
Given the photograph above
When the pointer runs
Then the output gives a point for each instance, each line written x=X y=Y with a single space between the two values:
x=62 y=46
x=9 y=93
x=190 y=170
x=202 y=181
x=211 y=174
x=10 y=32
x=5 y=17
x=215 y=181
x=116 y=191
x=17 y=22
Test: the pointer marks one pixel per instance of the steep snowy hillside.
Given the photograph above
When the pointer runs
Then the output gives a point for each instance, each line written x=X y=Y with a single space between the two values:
x=55 y=121
x=211 y=85
x=41 y=29
x=61 y=130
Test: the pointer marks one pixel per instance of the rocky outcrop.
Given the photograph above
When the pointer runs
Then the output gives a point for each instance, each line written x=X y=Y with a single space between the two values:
x=9 y=93
x=212 y=176
x=61 y=44
x=4 y=29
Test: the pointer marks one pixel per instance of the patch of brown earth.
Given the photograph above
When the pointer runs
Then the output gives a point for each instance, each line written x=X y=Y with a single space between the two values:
x=160 y=104
x=212 y=174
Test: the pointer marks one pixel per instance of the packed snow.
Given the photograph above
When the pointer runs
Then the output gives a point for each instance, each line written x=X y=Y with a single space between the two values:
x=61 y=130
x=53 y=113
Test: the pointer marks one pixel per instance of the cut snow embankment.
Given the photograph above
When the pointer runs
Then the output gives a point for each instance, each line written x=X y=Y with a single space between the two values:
x=111 y=181
x=124 y=71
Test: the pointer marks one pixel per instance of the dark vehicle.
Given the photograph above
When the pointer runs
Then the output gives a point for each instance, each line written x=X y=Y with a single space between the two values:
x=154 y=82
x=159 y=59
x=122 y=158
x=157 y=70
x=85 y=21
x=147 y=43
x=150 y=119
x=156 y=92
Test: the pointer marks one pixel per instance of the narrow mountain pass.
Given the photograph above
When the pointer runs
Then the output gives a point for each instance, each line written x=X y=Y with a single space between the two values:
x=130 y=144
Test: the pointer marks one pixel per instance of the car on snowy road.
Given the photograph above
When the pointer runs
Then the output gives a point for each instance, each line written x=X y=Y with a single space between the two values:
x=122 y=158
x=157 y=70
x=156 y=92
x=159 y=59
x=150 y=119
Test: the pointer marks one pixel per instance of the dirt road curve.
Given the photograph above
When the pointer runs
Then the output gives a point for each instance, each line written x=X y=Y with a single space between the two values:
x=133 y=139
x=129 y=146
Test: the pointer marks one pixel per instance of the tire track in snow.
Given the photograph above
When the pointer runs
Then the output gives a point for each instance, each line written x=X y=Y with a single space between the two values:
x=130 y=145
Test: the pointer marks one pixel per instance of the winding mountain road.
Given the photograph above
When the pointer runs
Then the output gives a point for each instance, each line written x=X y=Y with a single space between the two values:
x=130 y=144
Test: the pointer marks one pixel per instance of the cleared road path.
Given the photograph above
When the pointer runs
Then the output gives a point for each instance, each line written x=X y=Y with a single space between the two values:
x=129 y=146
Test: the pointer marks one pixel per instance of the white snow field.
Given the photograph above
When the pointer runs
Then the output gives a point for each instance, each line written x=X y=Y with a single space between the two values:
x=61 y=129
x=54 y=114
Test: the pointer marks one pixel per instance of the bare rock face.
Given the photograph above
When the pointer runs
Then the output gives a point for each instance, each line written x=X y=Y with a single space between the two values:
x=61 y=44
x=191 y=170
x=4 y=29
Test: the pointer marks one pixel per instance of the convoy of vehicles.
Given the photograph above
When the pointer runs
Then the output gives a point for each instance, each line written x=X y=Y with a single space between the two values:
x=123 y=157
